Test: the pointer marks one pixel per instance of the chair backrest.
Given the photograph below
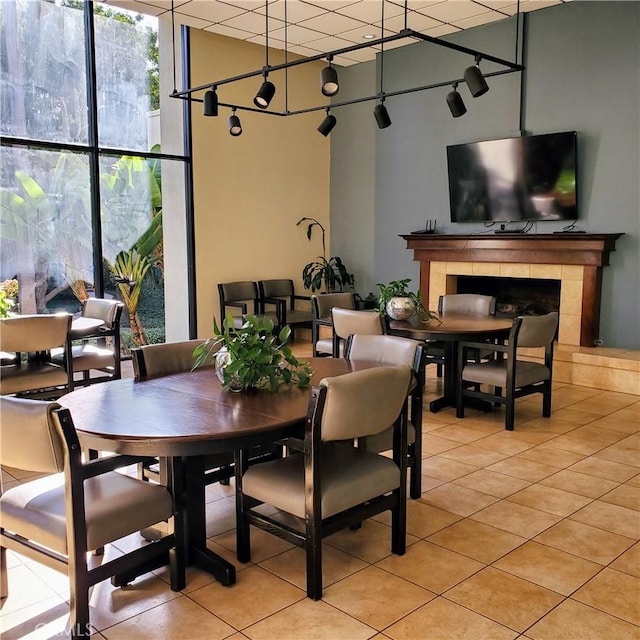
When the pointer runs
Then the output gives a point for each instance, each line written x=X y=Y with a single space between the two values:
x=156 y=360
x=537 y=331
x=107 y=310
x=363 y=403
x=469 y=303
x=238 y=294
x=277 y=289
x=31 y=436
x=323 y=303
x=27 y=334
x=383 y=349
x=350 y=321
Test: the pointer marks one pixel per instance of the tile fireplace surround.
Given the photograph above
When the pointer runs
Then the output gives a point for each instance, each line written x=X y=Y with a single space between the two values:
x=576 y=260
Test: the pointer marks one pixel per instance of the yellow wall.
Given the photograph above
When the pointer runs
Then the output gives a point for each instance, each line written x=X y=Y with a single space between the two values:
x=250 y=191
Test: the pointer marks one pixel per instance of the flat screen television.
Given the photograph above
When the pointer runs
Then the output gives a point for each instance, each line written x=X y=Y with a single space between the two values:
x=527 y=178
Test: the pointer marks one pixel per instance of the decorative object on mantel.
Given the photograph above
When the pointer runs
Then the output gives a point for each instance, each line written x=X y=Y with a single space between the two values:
x=472 y=77
x=399 y=303
x=330 y=275
x=251 y=357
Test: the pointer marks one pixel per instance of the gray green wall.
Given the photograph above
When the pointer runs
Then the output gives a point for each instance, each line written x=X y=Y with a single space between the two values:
x=583 y=74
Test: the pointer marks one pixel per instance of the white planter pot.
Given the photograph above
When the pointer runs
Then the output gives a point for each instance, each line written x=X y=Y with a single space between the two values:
x=400 y=308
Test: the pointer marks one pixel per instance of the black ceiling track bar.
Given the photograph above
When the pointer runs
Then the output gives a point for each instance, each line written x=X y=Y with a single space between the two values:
x=405 y=33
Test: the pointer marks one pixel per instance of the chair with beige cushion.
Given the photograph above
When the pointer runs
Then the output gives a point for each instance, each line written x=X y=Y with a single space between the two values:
x=464 y=304
x=100 y=349
x=348 y=322
x=516 y=376
x=76 y=508
x=387 y=351
x=327 y=483
x=281 y=295
x=32 y=338
x=242 y=298
x=321 y=305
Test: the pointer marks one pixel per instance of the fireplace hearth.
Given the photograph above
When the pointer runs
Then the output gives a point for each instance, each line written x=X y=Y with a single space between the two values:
x=514 y=296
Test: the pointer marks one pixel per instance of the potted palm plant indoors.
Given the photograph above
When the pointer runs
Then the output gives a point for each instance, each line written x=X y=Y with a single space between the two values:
x=322 y=274
x=251 y=356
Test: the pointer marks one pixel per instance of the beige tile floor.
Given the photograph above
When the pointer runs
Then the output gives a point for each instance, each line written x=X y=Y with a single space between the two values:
x=532 y=534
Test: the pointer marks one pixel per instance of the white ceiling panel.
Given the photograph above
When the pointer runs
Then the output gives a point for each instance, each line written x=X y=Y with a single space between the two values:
x=330 y=23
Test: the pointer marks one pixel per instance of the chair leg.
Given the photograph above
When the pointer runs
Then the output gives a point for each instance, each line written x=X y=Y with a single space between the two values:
x=439 y=370
x=4 y=583
x=79 y=600
x=546 y=401
x=314 y=563
x=415 y=484
x=399 y=528
x=243 y=535
x=510 y=415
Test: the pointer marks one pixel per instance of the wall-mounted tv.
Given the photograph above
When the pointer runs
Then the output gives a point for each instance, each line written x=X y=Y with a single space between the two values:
x=527 y=178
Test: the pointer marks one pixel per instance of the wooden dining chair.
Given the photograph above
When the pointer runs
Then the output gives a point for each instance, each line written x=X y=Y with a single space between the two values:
x=321 y=305
x=76 y=508
x=242 y=298
x=348 y=322
x=99 y=350
x=296 y=310
x=388 y=350
x=463 y=304
x=510 y=377
x=30 y=339
x=327 y=483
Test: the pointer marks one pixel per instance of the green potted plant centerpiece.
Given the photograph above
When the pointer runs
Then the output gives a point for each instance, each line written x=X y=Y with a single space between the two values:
x=399 y=303
x=321 y=274
x=252 y=357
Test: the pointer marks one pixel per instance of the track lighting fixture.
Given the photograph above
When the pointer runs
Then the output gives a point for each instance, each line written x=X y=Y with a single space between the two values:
x=475 y=80
x=382 y=116
x=235 y=128
x=330 y=85
x=326 y=126
x=211 y=102
x=329 y=80
x=265 y=93
x=455 y=102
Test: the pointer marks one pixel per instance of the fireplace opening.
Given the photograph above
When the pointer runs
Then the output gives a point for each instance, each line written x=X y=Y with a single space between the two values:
x=515 y=296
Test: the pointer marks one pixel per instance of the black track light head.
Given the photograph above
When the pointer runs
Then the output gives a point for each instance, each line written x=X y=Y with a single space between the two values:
x=329 y=81
x=382 y=116
x=211 y=103
x=235 y=128
x=455 y=102
x=475 y=80
x=326 y=126
x=265 y=94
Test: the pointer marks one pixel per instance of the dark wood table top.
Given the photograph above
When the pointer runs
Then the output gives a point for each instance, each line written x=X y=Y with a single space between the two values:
x=452 y=327
x=189 y=413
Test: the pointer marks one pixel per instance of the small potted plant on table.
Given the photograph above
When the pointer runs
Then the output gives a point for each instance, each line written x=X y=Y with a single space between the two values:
x=251 y=357
x=399 y=303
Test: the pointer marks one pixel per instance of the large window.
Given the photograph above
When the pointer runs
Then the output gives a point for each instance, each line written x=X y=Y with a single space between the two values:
x=80 y=157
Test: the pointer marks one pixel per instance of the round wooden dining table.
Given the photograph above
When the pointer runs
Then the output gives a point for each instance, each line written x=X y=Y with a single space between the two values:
x=185 y=417
x=452 y=329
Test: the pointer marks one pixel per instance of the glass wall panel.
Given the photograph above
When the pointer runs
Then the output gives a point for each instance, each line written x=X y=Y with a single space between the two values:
x=43 y=92
x=45 y=228
x=126 y=77
x=131 y=195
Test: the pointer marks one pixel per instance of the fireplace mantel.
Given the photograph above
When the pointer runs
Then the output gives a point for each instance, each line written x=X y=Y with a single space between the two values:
x=587 y=250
